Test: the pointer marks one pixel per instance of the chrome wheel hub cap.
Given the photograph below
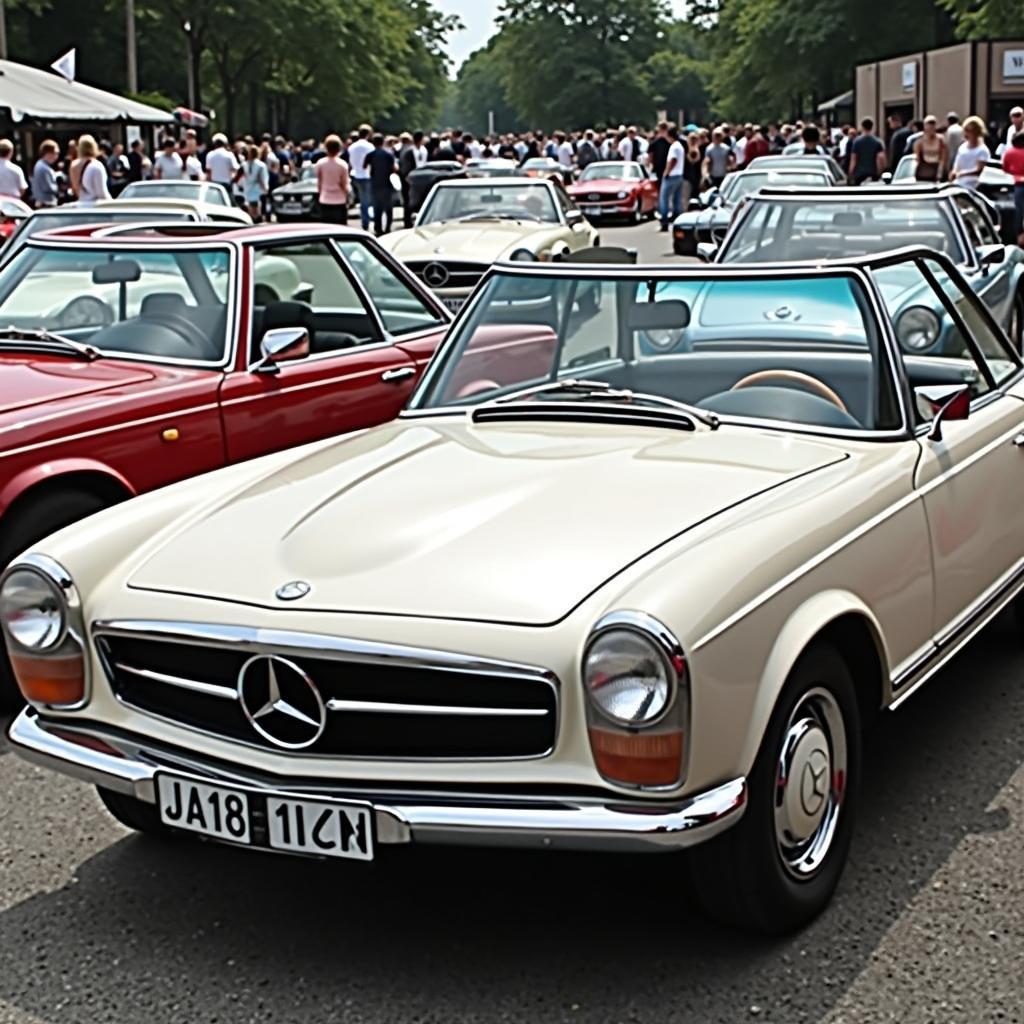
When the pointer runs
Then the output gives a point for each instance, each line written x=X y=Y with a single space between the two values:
x=810 y=782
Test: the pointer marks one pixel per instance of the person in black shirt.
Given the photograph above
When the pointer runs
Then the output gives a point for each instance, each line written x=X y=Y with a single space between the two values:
x=136 y=167
x=657 y=151
x=380 y=162
x=897 y=140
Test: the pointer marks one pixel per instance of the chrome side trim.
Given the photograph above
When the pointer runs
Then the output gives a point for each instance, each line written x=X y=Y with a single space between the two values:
x=195 y=685
x=384 y=707
x=959 y=633
x=607 y=822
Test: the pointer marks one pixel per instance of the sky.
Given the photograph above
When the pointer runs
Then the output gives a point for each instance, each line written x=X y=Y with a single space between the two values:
x=478 y=17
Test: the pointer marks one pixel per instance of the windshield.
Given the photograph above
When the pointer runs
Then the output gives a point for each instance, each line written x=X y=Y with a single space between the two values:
x=519 y=202
x=196 y=191
x=620 y=171
x=798 y=348
x=805 y=229
x=740 y=185
x=162 y=305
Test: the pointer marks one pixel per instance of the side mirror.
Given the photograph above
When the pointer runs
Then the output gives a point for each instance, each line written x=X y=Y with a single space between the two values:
x=941 y=403
x=282 y=345
x=304 y=293
x=574 y=218
x=694 y=204
x=990 y=256
x=887 y=177
x=706 y=252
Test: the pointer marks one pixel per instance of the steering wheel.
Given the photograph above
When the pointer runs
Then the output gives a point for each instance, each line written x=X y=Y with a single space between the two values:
x=818 y=387
x=86 y=311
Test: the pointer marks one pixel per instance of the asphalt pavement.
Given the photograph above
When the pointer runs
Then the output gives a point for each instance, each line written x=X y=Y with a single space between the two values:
x=97 y=924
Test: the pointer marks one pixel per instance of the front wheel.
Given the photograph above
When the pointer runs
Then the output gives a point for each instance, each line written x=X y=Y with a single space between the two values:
x=777 y=868
x=638 y=213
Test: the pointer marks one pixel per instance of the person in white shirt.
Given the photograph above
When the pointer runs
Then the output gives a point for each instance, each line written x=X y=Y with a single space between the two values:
x=671 y=192
x=221 y=165
x=12 y=177
x=88 y=175
x=565 y=152
x=972 y=156
x=473 y=148
x=168 y=165
x=626 y=145
x=358 y=151
x=192 y=168
x=1016 y=125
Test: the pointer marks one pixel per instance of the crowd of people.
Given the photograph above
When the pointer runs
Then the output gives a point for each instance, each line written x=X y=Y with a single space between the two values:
x=360 y=169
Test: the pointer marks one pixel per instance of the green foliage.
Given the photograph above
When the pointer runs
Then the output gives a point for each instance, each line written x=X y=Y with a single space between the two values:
x=308 y=65
x=153 y=99
x=986 y=19
x=479 y=90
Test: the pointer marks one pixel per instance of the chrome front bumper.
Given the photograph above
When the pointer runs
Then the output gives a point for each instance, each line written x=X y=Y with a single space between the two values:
x=129 y=765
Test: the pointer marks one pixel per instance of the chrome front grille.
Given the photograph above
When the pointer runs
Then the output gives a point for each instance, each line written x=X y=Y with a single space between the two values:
x=452 y=274
x=376 y=701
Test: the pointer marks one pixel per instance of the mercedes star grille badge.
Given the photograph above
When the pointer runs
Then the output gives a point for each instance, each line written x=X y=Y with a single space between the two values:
x=292 y=591
x=281 y=702
x=436 y=275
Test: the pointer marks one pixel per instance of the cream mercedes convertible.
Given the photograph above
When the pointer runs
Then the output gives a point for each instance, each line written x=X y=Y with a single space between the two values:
x=632 y=576
x=468 y=224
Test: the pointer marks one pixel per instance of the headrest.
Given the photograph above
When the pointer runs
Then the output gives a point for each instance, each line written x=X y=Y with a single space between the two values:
x=162 y=304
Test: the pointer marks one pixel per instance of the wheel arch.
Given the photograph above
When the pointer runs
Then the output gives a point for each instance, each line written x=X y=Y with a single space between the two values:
x=842 y=619
x=66 y=474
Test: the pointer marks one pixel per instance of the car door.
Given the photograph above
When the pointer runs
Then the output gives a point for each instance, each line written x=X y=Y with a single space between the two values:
x=993 y=283
x=971 y=480
x=577 y=228
x=354 y=375
x=649 y=189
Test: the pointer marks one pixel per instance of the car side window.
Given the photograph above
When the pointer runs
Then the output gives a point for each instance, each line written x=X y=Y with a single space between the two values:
x=564 y=201
x=922 y=298
x=306 y=281
x=979 y=228
x=400 y=307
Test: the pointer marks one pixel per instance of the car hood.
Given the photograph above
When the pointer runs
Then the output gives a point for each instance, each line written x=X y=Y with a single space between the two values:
x=493 y=522
x=602 y=185
x=483 y=240
x=31 y=380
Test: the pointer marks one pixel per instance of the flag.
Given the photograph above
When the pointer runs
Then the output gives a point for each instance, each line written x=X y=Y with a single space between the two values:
x=65 y=65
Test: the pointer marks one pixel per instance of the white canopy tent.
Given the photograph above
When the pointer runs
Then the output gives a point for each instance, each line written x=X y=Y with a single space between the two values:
x=42 y=97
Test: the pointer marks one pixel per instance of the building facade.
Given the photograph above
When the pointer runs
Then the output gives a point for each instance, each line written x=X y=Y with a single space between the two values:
x=983 y=77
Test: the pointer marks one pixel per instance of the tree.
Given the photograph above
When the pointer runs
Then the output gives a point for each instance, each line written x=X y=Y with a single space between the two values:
x=986 y=19
x=479 y=91
x=677 y=74
x=593 y=74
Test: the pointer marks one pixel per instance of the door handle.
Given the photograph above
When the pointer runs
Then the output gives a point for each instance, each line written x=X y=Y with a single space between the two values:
x=398 y=374
x=1018 y=441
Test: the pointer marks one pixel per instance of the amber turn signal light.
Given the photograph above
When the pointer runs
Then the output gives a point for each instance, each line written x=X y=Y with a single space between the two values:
x=53 y=681
x=639 y=759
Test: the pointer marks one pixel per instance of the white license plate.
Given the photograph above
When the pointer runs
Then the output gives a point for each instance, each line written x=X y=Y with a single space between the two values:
x=292 y=208
x=321 y=828
x=454 y=305
x=592 y=211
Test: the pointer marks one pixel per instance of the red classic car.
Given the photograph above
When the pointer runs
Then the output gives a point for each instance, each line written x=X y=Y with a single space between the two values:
x=616 y=188
x=133 y=358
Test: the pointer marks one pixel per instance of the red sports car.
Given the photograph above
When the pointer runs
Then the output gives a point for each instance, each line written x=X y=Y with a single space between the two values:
x=134 y=357
x=616 y=188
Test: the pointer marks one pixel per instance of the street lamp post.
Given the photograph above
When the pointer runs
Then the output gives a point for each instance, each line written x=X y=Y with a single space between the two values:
x=189 y=65
x=3 y=31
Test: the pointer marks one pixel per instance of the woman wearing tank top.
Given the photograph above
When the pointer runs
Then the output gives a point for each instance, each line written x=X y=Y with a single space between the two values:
x=930 y=153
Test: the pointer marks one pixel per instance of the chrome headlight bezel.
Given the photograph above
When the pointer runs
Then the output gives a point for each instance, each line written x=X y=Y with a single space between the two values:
x=662 y=646
x=917 y=319
x=69 y=639
x=523 y=255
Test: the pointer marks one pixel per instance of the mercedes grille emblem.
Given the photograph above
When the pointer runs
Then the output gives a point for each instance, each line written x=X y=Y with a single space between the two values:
x=281 y=702
x=292 y=591
x=436 y=275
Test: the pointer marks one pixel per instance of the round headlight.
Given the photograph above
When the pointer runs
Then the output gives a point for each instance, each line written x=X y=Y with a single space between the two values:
x=627 y=677
x=523 y=256
x=623 y=195
x=917 y=328
x=33 y=610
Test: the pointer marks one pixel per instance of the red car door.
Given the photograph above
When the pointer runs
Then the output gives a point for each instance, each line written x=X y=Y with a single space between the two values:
x=354 y=375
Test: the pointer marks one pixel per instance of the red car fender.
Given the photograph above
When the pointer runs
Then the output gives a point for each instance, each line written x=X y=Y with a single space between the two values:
x=28 y=478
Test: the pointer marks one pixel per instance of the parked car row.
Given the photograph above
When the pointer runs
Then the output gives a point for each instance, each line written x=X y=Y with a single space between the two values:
x=624 y=557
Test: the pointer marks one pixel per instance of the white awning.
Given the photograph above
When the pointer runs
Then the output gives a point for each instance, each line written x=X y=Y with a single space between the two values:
x=844 y=99
x=37 y=95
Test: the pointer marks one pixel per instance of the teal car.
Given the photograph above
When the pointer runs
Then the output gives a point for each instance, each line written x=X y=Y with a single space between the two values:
x=783 y=225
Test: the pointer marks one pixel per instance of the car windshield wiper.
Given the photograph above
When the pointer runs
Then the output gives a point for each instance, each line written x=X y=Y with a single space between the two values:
x=484 y=215
x=601 y=391
x=41 y=334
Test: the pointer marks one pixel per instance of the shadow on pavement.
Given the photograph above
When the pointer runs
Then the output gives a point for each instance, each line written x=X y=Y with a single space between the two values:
x=171 y=932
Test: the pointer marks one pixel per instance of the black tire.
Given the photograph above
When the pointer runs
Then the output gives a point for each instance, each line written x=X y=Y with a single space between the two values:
x=740 y=877
x=30 y=521
x=638 y=213
x=132 y=813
